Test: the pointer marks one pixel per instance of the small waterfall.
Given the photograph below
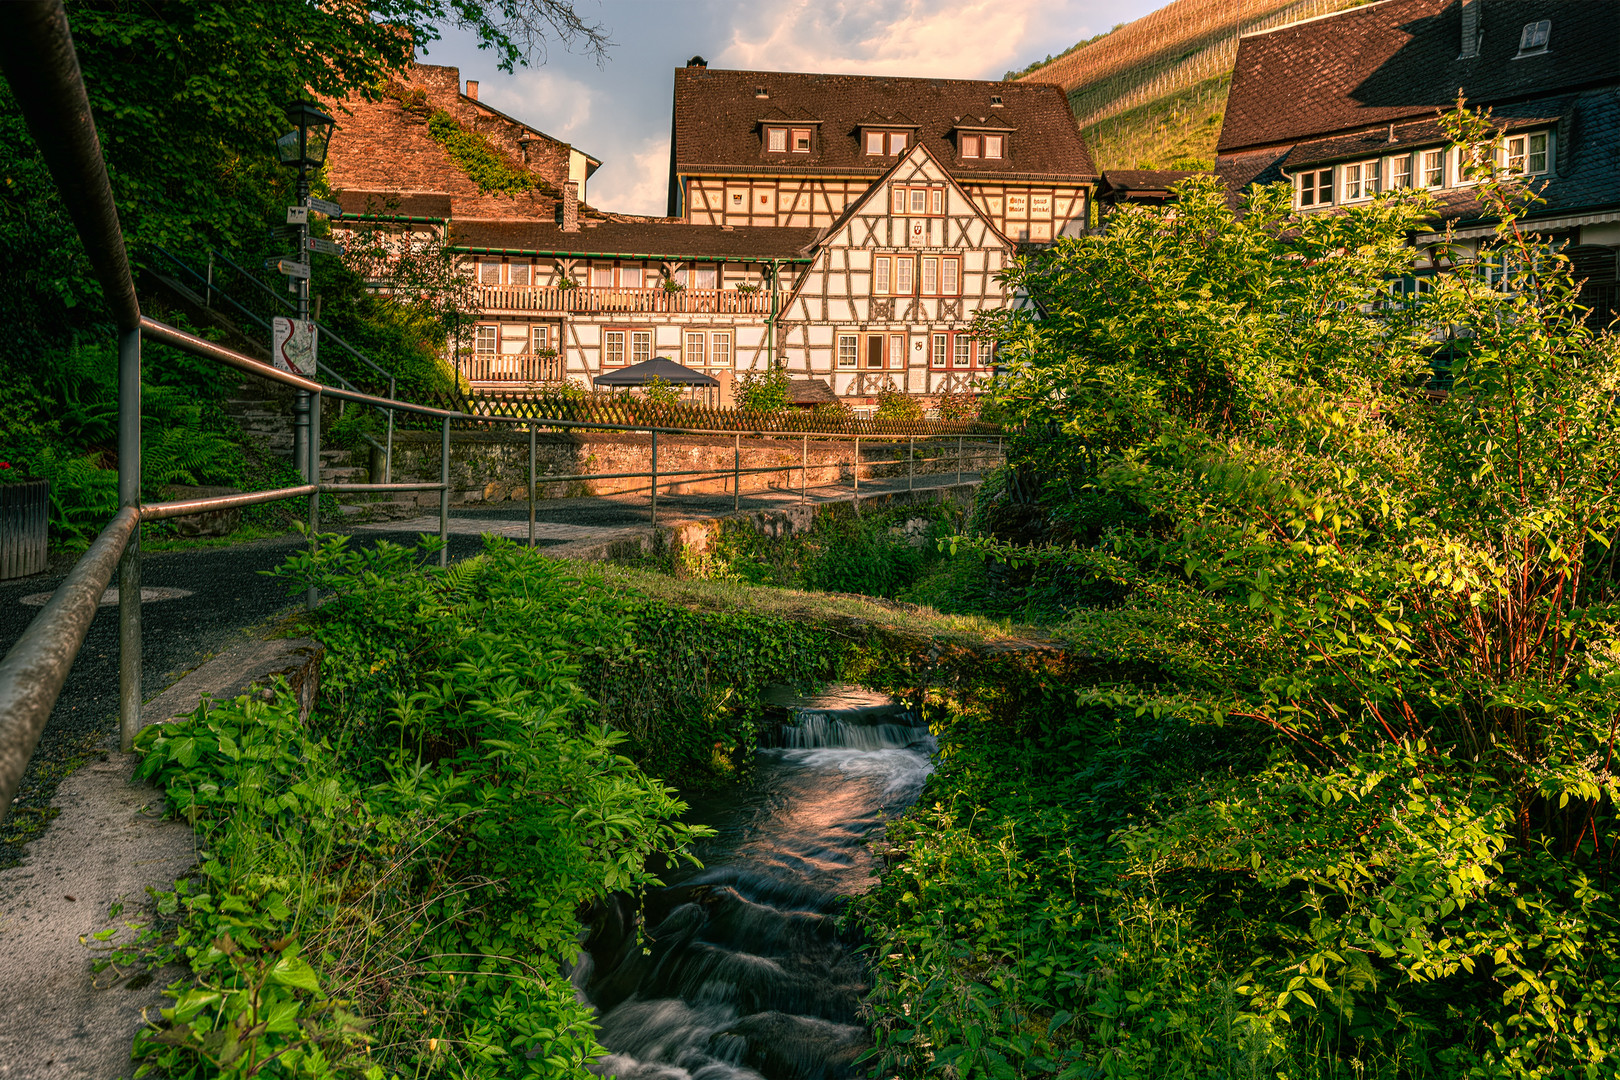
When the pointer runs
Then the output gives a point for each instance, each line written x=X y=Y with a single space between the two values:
x=744 y=975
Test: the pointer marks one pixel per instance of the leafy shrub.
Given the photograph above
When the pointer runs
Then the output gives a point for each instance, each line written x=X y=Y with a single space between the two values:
x=395 y=887
x=764 y=391
x=897 y=405
x=1339 y=804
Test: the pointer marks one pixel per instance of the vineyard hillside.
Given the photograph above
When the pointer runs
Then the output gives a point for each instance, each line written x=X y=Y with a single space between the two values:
x=1151 y=93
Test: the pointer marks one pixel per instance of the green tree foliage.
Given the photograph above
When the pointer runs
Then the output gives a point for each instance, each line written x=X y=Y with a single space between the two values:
x=897 y=405
x=394 y=889
x=765 y=391
x=1348 y=808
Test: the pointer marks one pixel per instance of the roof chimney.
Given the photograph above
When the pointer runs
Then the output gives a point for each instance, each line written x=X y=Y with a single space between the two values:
x=472 y=89
x=697 y=62
x=1472 y=30
x=570 y=222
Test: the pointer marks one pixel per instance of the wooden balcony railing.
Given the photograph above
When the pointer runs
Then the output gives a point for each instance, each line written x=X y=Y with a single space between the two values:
x=629 y=301
x=525 y=367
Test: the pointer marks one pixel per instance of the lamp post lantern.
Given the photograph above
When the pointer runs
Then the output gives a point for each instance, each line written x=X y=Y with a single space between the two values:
x=304 y=148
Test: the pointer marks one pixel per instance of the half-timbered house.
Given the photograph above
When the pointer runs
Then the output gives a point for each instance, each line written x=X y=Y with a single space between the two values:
x=793 y=149
x=888 y=301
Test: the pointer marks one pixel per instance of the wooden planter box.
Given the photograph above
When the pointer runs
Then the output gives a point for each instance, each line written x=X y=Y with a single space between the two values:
x=25 y=520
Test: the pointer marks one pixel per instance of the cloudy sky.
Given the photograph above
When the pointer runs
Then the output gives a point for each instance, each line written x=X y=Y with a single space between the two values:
x=619 y=113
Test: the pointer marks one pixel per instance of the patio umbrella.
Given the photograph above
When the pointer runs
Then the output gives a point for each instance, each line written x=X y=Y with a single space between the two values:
x=659 y=367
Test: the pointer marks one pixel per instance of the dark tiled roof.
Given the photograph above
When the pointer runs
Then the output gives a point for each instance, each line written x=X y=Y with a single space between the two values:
x=1399 y=59
x=1143 y=180
x=809 y=392
x=717 y=119
x=1417 y=133
x=394 y=204
x=650 y=239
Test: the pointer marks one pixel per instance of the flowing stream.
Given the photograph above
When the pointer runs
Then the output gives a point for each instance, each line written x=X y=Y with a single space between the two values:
x=745 y=974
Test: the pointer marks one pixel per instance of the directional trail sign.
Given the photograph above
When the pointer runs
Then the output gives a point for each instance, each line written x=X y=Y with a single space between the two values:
x=323 y=246
x=289 y=267
x=324 y=206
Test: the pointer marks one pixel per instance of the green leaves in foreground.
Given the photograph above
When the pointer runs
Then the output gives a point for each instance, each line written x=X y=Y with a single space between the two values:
x=395 y=888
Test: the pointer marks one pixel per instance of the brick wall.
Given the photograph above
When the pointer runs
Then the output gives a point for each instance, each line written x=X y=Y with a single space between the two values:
x=382 y=146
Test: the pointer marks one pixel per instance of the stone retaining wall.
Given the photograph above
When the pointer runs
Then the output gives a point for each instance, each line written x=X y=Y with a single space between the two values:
x=493 y=466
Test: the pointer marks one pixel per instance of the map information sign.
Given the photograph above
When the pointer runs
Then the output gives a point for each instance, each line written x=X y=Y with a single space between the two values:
x=292 y=346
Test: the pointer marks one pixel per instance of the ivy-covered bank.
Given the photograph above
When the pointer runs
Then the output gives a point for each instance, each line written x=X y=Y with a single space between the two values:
x=395 y=888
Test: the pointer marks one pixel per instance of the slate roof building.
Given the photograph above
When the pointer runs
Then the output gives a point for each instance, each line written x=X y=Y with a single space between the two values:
x=1346 y=105
x=793 y=149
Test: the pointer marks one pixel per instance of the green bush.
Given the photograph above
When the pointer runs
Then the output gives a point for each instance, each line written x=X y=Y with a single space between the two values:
x=1338 y=800
x=393 y=889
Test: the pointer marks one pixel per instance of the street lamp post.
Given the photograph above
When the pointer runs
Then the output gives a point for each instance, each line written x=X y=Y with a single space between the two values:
x=304 y=148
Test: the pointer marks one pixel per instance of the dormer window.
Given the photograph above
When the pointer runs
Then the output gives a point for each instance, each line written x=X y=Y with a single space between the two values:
x=1533 y=39
x=885 y=143
x=761 y=92
x=780 y=140
x=995 y=101
x=1316 y=188
x=975 y=146
x=1527 y=154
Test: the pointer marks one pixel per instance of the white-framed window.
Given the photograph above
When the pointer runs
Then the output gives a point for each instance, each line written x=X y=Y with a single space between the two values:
x=517 y=275
x=849 y=350
x=950 y=276
x=902 y=275
x=1527 y=154
x=882 y=266
x=1533 y=38
x=962 y=351
x=630 y=277
x=1432 y=173
x=1472 y=158
x=801 y=140
x=539 y=339
x=696 y=276
x=1360 y=180
x=930 y=275
x=640 y=346
x=917 y=201
x=940 y=354
x=602 y=276
x=489 y=273
x=993 y=145
x=1316 y=187
x=1400 y=172
x=776 y=139
x=696 y=348
x=484 y=340
x=890 y=143
x=971 y=146
x=719 y=348
x=897 y=350
x=613 y=348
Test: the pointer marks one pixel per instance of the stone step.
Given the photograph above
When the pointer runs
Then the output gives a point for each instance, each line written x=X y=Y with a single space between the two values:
x=349 y=474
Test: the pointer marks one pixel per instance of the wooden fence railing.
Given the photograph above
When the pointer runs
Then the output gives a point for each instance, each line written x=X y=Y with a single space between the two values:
x=579 y=407
x=629 y=301
x=524 y=367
